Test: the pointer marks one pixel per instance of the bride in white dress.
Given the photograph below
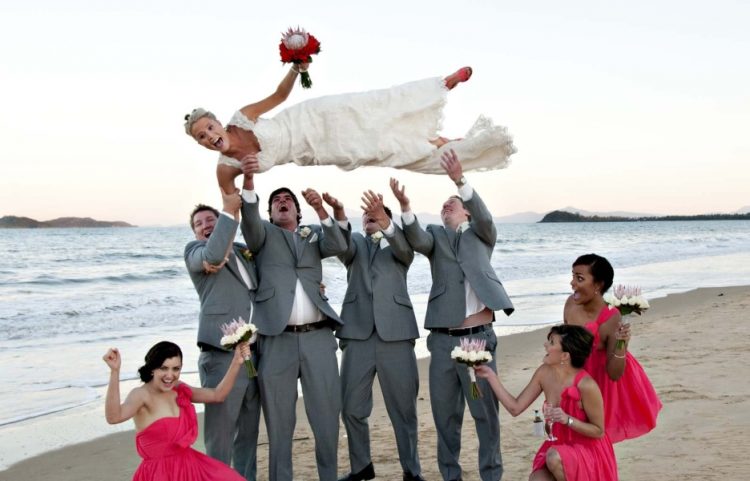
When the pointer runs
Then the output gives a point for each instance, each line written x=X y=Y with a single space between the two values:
x=394 y=127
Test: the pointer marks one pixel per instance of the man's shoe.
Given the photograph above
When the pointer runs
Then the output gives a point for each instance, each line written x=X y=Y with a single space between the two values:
x=367 y=473
x=413 y=477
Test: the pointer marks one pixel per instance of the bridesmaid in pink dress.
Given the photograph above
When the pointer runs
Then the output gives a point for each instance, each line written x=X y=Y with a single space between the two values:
x=630 y=401
x=582 y=450
x=164 y=416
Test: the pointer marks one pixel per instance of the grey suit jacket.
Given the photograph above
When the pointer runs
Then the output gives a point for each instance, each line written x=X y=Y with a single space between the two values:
x=451 y=264
x=224 y=295
x=279 y=266
x=377 y=297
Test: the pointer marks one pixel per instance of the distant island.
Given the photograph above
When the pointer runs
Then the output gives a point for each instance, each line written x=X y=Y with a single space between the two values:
x=15 y=222
x=563 y=216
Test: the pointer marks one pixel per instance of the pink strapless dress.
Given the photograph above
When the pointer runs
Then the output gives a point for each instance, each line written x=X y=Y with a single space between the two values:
x=630 y=403
x=583 y=458
x=166 y=452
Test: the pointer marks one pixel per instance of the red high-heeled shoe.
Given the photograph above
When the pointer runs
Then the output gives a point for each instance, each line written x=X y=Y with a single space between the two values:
x=460 y=75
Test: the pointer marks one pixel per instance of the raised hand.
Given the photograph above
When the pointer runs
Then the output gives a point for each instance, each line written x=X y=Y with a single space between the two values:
x=249 y=164
x=113 y=359
x=315 y=201
x=209 y=269
x=332 y=201
x=232 y=203
x=400 y=193
x=450 y=163
x=312 y=198
x=373 y=205
x=337 y=205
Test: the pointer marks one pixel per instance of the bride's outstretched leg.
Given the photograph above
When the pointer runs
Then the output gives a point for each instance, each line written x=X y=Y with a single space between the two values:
x=439 y=142
x=461 y=75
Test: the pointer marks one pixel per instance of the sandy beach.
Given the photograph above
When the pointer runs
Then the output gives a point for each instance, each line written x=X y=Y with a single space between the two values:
x=692 y=346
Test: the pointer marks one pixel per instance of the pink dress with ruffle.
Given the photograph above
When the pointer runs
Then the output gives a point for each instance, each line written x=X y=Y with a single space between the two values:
x=630 y=403
x=165 y=448
x=583 y=458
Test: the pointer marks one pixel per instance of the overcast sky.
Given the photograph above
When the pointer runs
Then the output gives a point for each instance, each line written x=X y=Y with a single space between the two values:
x=640 y=105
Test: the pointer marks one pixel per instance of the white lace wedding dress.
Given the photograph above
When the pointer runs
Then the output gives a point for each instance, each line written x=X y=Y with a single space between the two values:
x=385 y=128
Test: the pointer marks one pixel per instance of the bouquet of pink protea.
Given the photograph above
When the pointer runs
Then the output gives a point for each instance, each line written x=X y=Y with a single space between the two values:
x=628 y=300
x=472 y=352
x=236 y=332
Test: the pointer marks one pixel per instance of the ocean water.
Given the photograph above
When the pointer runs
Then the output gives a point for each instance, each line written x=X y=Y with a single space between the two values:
x=66 y=295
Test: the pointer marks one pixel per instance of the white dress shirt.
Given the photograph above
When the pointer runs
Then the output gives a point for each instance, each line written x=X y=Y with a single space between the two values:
x=304 y=310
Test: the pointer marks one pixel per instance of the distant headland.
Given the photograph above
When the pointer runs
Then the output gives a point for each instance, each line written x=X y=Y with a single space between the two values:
x=564 y=216
x=15 y=222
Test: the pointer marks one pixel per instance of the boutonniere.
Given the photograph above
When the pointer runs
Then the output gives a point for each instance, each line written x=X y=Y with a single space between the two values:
x=246 y=254
x=304 y=232
x=376 y=237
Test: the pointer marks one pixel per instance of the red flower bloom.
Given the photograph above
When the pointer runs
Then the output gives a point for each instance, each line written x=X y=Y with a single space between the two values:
x=298 y=46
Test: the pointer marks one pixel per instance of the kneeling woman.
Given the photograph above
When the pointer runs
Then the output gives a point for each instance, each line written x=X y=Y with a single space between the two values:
x=582 y=450
x=164 y=416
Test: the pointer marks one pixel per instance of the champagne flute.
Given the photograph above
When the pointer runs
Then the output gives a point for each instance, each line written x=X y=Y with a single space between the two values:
x=548 y=422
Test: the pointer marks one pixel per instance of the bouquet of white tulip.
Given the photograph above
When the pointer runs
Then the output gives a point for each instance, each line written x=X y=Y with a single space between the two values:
x=471 y=352
x=236 y=332
x=628 y=300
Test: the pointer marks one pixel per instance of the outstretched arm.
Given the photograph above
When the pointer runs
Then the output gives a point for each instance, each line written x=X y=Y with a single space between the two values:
x=400 y=248
x=115 y=412
x=514 y=405
x=253 y=229
x=221 y=391
x=612 y=331
x=339 y=214
x=420 y=240
x=226 y=174
x=253 y=111
x=201 y=256
x=335 y=239
x=481 y=218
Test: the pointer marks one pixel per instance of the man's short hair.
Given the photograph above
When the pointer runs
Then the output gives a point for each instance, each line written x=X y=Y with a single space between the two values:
x=468 y=215
x=201 y=208
x=294 y=198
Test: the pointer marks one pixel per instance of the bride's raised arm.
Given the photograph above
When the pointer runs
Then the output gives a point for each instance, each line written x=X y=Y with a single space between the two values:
x=253 y=111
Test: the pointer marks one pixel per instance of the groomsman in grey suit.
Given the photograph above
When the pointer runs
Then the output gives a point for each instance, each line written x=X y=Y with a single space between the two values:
x=224 y=276
x=465 y=293
x=378 y=336
x=295 y=321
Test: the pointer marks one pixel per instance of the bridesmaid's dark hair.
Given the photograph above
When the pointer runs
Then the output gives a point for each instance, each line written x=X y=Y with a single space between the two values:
x=155 y=357
x=576 y=341
x=600 y=268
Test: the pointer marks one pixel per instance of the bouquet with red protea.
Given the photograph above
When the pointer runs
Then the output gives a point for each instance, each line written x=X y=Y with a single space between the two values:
x=236 y=332
x=472 y=352
x=297 y=47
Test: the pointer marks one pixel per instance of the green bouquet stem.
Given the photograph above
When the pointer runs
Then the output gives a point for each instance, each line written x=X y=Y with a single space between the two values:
x=475 y=392
x=305 y=80
x=250 y=367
